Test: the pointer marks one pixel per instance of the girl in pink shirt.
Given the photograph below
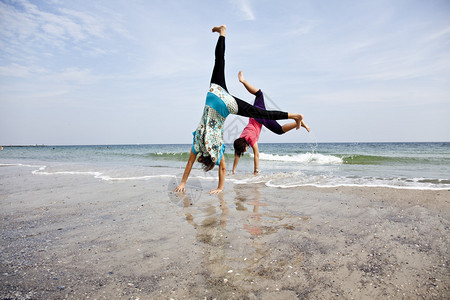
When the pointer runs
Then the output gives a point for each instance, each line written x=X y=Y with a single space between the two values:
x=250 y=134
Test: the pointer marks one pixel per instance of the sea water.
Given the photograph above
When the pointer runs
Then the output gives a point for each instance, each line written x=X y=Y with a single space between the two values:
x=396 y=165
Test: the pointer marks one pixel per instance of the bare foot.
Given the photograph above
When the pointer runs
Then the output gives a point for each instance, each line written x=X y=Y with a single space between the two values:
x=241 y=77
x=305 y=126
x=220 y=29
x=298 y=119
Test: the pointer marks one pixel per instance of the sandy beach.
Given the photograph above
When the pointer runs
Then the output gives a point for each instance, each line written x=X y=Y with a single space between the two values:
x=79 y=237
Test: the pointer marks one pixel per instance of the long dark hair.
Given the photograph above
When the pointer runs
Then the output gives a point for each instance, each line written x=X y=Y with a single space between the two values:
x=207 y=162
x=239 y=146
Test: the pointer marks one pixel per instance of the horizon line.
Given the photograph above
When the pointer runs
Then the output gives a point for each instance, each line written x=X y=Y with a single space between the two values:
x=143 y=144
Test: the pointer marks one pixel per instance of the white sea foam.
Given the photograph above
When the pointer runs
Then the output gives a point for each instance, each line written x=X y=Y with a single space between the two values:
x=274 y=180
x=304 y=158
x=298 y=179
x=40 y=171
x=22 y=165
x=329 y=181
x=102 y=176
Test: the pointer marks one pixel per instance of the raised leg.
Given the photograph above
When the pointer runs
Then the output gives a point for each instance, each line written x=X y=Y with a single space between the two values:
x=250 y=88
x=218 y=74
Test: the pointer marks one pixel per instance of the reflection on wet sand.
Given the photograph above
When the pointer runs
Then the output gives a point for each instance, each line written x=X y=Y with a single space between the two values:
x=209 y=217
x=238 y=256
x=253 y=222
x=208 y=212
x=258 y=223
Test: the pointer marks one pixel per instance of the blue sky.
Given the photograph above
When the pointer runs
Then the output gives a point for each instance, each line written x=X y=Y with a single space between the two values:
x=120 y=72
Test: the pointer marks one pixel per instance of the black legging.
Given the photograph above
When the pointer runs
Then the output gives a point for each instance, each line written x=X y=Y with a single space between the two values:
x=244 y=109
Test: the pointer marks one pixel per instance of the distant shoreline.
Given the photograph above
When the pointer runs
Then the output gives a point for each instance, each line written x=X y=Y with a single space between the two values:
x=144 y=144
x=12 y=146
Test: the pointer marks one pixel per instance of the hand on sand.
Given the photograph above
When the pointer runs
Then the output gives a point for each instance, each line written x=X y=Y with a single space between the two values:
x=215 y=191
x=181 y=188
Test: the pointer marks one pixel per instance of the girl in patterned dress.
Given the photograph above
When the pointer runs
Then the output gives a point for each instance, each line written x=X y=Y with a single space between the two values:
x=208 y=138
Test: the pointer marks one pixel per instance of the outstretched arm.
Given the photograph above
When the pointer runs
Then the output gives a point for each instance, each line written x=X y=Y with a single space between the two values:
x=222 y=174
x=256 y=158
x=235 y=163
x=182 y=186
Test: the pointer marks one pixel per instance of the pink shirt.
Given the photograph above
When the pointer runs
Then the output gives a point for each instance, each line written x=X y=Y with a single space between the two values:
x=251 y=132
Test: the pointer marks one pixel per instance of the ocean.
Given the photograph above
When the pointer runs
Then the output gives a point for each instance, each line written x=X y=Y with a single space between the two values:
x=395 y=165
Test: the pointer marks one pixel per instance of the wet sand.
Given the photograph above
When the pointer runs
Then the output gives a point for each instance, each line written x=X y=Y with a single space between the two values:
x=78 y=237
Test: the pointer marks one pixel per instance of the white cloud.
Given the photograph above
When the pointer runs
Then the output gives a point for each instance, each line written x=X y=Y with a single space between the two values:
x=53 y=29
x=90 y=24
x=438 y=35
x=72 y=76
x=15 y=70
x=20 y=71
x=244 y=9
x=27 y=30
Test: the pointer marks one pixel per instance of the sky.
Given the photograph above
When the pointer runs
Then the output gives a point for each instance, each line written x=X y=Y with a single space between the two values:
x=137 y=72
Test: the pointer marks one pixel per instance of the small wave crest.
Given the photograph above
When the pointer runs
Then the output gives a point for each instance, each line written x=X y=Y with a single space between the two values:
x=304 y=158
x=299 y=179
x=360 y=159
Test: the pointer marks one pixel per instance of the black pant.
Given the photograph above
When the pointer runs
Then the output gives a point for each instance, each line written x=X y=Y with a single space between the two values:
x=244 y=109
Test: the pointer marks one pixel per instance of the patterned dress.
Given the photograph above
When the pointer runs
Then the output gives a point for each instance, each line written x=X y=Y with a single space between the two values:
x=208 y=138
